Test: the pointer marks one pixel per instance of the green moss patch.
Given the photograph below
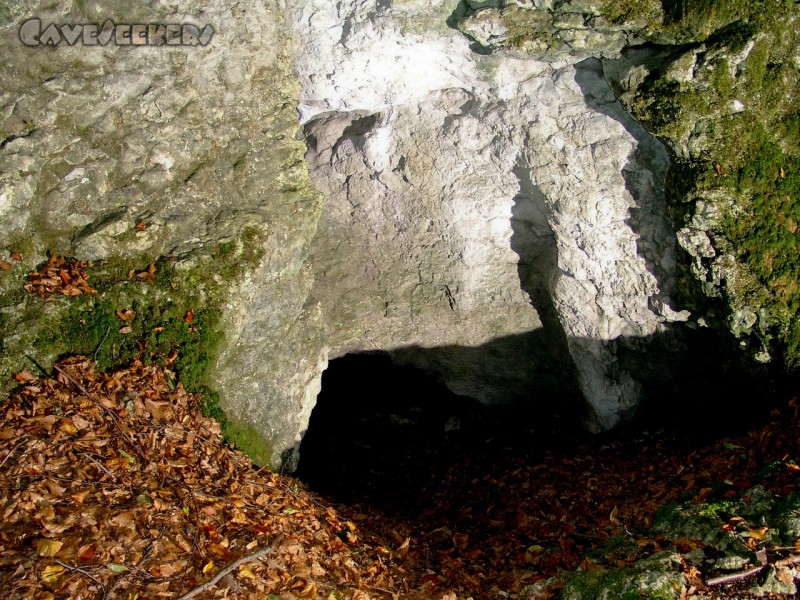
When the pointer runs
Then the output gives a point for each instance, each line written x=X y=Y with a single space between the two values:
x=740 y=120
x=635 y=583
x=171 y=316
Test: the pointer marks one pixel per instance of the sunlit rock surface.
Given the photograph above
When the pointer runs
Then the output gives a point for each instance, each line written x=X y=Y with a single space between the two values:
x=488 y=214
x=472 y=197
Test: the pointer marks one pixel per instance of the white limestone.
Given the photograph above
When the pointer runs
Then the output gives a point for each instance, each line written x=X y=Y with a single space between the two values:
x=459 y=186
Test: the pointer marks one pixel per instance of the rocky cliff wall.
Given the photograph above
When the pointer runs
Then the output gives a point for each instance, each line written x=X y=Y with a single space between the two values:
x=487 y=213
x=471 y=197
x=196 y=144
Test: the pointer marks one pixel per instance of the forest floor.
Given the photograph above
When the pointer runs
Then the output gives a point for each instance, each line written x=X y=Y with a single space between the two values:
x=113 y=485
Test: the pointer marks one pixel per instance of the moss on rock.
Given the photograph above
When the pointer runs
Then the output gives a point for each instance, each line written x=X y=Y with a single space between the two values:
x=171 y=317
x=640 y=582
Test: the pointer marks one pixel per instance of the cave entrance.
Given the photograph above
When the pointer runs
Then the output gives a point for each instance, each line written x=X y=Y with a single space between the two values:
x=377 y=426
x=390 y=435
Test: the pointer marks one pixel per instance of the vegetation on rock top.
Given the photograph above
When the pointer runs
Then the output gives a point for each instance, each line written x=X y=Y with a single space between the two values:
x=734 y=121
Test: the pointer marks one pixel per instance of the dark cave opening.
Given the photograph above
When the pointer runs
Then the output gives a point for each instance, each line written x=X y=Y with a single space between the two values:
x=393 y=438
x=389 y=434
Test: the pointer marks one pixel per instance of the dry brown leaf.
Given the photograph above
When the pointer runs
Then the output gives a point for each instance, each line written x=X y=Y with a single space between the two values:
x=45 y=547
x=25 y=376
x=67 y=426
x=785 y=575
x=51 y=573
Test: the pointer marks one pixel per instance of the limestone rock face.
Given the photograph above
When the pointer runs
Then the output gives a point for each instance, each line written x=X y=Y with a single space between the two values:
x=198 y=142
x=471 y=198
x=494 y=218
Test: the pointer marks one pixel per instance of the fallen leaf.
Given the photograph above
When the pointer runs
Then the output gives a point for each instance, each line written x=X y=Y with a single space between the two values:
x=244 y=571
x=785 y=575
x=6 y=266
x=117 y=568
x=24 y=376
x=165 y=570
x=402 y=549
x=45 y=547
x=16 y=256
x=51 y=573
x=126 y=315
x=67 y=426
x=87 y=552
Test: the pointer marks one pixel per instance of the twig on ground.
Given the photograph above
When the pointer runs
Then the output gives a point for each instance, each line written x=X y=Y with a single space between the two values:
x=784 y=562
x=789 y=560
x=735 y=576
x=231 y=567
x=85 y=573
x=100 y=345
x=99 y=466
x=14 y=449
x=381 y=590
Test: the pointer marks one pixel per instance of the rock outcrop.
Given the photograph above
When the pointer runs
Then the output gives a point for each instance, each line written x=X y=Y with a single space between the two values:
x=489 y=214
x=471 y=197
x=195 y=142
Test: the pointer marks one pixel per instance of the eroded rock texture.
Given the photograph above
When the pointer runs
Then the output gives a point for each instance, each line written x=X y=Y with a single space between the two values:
x=474 y=198
x=196 y=141
x=492 y=216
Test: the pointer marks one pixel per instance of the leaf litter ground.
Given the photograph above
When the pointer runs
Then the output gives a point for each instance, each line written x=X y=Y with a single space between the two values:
x=113 y=485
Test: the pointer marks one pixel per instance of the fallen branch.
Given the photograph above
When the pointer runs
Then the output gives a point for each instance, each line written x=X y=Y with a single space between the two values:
x=784 y=562
x=736 y=576
x=231 y=567
x=85 y=573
